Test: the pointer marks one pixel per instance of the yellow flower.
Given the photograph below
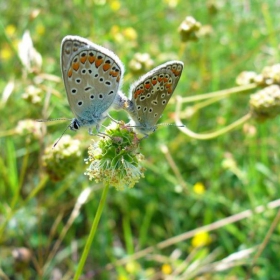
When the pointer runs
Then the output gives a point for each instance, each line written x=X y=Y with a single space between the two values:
x=40 y=29
x=115 y=5
x=201 y=239
x=115 y=29
x=132 y=267
x=6 y=53
x=166 y=268
x=130 y=33
x=122 y=277
x=199 y=188
x=10 y=30
x=116 y=34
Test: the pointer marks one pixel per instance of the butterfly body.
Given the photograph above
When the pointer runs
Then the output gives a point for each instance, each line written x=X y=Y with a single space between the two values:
x=92 y=77
x=150 y=95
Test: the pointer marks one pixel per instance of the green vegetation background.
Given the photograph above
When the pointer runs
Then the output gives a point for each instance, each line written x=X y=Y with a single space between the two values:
x=244 y=36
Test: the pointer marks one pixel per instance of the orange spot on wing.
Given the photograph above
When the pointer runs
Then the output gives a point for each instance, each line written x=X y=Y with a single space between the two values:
x=91 y=59
x=106 y=66
x=148 y=86
x=118 y=78
x=70 y=72
x=138 y=92
x=83 y=59
x=76 y=66
x=98 y=62
x=154 y=81
x=176 y=72
x=160 y=78
x=113 y=73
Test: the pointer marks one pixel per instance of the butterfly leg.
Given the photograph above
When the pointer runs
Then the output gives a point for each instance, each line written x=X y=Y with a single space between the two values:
x=90 y=131
x=113 y=120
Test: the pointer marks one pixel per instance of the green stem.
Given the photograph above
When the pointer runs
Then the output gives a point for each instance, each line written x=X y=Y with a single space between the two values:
x=219 y=93
x=92 y=233
x=206 y=136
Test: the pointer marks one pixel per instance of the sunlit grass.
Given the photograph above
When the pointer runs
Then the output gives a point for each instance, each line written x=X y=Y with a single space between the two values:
x=190 y=216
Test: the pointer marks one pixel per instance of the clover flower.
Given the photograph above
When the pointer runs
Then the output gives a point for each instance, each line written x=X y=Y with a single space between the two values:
x=188 y=29
x=30 y=129
x=246 y=78
x=269 y=75
x=33 y=94
x=141 y=63
x=265 y=103
x=114 y=159
x=62 y=159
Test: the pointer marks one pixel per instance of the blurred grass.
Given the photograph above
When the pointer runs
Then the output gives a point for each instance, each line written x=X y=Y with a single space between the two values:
x=245 y=37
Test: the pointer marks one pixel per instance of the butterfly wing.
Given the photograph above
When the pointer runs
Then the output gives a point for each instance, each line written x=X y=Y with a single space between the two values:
x=152 y=92
x=92 y=76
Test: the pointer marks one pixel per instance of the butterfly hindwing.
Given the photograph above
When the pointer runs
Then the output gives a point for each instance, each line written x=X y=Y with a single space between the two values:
x=151 y=93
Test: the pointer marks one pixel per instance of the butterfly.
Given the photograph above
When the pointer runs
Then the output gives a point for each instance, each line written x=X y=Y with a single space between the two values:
x=150 y=95
x=92 y=77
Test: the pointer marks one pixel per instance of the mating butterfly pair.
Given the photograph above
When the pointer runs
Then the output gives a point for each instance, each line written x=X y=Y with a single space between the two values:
x=93 y=75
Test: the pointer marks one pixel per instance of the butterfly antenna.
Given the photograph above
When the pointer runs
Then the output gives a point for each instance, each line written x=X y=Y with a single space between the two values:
x=52 y=120
x=60 y=136
x=169 y=124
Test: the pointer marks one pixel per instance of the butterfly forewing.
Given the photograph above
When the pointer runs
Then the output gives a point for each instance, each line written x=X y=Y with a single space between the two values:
x=92 y=76
x=152 y=92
